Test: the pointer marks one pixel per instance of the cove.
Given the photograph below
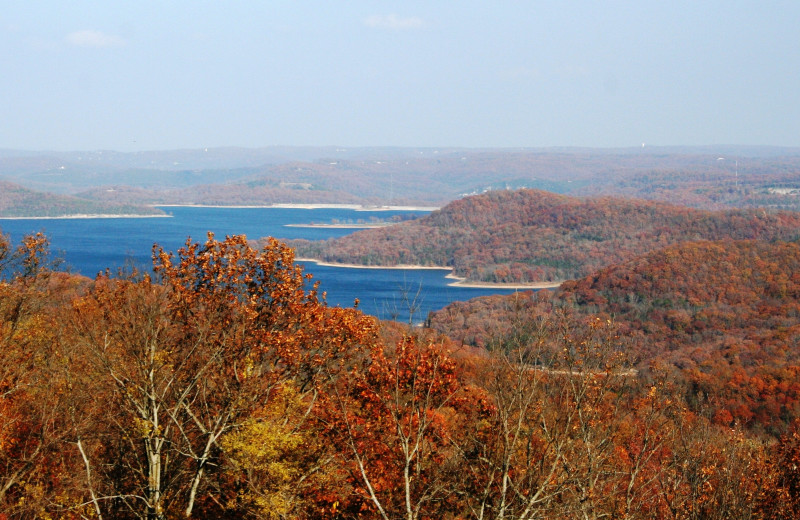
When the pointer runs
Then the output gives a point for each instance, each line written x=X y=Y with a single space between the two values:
x=92 y=245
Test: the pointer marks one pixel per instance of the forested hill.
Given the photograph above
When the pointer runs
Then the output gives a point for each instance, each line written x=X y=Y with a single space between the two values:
x=724 y=315
x=16 y=201
x=711 y=178
x=531 y=236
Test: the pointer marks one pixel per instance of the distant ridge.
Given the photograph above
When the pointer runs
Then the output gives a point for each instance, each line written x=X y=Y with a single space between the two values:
x=711 y=177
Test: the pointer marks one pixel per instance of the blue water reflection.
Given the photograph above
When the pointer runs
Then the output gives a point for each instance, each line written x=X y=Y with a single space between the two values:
x=89 y=246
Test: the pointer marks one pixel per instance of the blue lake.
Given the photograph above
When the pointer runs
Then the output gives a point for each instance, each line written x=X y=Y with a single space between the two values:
x=89 y=246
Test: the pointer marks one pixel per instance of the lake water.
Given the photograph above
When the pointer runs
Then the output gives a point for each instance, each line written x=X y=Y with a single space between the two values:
x=89 y=246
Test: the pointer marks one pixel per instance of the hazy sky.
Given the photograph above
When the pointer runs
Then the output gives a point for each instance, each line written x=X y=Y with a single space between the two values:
x=187 y=74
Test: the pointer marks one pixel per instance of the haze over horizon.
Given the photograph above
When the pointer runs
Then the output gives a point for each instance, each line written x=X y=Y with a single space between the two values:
x=156 y=76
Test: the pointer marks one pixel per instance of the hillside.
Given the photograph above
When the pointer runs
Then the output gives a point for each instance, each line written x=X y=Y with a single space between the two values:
x=705 y=178
x=16 y=201
x=433 y=177
x=742 y=183
x=725 y=316
x=532 y=236
x=429 y=178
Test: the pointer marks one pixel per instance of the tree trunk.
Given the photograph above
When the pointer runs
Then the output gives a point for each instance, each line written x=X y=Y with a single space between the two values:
x=154 y=507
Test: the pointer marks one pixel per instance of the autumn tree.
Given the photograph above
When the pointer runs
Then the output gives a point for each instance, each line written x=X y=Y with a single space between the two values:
x=32 y=406
x=392 y=421
x=183 y=362
x=555 y=383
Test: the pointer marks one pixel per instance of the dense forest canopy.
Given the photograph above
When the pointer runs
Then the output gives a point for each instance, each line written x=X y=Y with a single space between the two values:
x=223 y=386
x=531 y=236
x=724 y=315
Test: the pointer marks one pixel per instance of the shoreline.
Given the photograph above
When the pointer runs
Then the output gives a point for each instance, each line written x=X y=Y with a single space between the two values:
x=280 y=205
x=357 y=266
x=87 y=216
x=459 y=281
x=354 y=207
x=463 y=282
x=495 y=285
x=340 y=226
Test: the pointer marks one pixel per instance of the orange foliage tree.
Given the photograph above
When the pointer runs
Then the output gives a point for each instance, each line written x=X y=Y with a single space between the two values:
x=184 y=362
x=392 y=419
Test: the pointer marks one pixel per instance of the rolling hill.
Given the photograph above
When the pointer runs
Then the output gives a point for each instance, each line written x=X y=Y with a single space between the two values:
x=703 y=177
x=527 y=236
x=722 y=316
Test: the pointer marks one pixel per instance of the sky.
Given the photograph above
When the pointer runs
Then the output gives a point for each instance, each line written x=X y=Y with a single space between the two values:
x=155 y=75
